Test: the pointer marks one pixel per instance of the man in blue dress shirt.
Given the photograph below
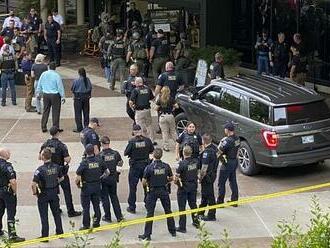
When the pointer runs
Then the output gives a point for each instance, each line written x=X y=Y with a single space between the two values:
x=51 y=86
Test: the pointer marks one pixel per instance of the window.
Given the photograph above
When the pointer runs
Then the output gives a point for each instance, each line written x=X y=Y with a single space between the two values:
x=259 y=111
x=231 y=101
x=301 y=113
x=213 y=96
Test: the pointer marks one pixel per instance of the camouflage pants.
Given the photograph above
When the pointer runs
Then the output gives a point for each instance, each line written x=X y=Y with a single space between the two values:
x=118 y=67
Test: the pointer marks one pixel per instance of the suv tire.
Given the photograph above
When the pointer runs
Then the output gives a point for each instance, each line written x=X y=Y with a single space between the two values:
x=181 y=121
x=246 y=160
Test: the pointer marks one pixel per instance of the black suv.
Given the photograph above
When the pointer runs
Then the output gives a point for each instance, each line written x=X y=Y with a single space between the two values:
x=280 y=123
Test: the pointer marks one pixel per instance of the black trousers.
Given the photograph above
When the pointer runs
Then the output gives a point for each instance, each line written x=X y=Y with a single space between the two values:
x=280 y=68
x=109 y=189
x=91 y=193
x=208 y=198
x=135 y=175
x=184 y=196
x=81 y=107
x=9 y=202
x=152 y=197
x=228 y=173
x=130 y=112
x=66 y=187
x=51 y=101
x=54 y=51
x=49 y=197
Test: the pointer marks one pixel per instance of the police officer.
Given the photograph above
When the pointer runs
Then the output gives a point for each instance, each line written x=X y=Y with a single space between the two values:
x=263 y=47
x=8 y=199
x=89 y=136
x=228 y=149
x=208 y=173
x=52 y=35
x=137 y=52
x=216 y=68
x=140 y=102
x=105 y=42
x=82 y=90
x=113 y=162
x=191 y=138
x=61 y=157
x=128 y=87
x=8 y=66
x=89 y=175
x=117 y=54
x=159 y=54
x=182 y=53
x=138 y=150
x=156 y=178
x=186 y=179
x=148 y=39
x=171 y=79
x=45 y=186
x=280 y=56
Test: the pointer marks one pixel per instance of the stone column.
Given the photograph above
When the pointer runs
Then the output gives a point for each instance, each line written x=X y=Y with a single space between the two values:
x=80 y=12
x=61 y=9
x=43 y=10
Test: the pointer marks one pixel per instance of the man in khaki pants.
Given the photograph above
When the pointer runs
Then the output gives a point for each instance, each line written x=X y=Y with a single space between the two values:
x=140 y=102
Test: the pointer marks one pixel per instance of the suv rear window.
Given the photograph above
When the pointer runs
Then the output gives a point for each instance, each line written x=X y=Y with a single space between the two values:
x=302 y=113
x=259 y=111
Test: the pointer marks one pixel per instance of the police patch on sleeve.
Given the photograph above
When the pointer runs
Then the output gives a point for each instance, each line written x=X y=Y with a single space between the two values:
x=205 y=155
x=36 y=173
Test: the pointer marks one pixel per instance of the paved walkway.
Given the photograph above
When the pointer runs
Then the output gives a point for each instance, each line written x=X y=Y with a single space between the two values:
x=251 y=225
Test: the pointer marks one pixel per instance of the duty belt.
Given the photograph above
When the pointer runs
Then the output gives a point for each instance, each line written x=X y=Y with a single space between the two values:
x=140 y=109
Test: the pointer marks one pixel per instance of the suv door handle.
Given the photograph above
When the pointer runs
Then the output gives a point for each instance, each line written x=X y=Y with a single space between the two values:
x=210 y=113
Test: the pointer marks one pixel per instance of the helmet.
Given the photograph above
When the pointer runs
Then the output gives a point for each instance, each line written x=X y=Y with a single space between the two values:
x=136 y=35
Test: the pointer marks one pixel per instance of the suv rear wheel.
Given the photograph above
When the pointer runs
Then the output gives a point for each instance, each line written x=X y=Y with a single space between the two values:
x=181 y=121
x=246 y=160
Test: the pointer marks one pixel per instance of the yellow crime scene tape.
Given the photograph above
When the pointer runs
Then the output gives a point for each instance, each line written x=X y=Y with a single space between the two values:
x=174 y=214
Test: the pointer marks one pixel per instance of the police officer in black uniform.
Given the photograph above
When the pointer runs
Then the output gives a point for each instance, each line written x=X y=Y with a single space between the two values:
x=113 y=162
x=186 y=178
x=208 y=173
x=216 y=68
x=280 y=56
x=128 y=87
x=89 y=136
x=61 y=157
x=159 y=54
x=117 y=54
x=191 y=138
x=52 y=35
x=228 y=149
x=156 y=178
x=8 y=199
x=171 y=79
x=45 y=186
x=89 y=175
x=138 y=150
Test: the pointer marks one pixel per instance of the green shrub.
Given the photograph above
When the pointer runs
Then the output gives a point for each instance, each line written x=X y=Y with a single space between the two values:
x=231 y=56
x=317 y=235
x=205 y=241
x=80 y=240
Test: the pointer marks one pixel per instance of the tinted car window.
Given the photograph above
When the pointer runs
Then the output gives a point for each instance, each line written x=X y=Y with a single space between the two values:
x=302 y=113
x=259 y=111
x=231 y=101
x=212 y=96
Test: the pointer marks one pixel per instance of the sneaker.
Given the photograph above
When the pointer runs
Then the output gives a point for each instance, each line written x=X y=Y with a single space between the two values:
x=43 y=241
x=178 y=229
x=234 y=205
x=120 y=219
x=132 y=211
x=16 y=239
x=14 y=103
x=173 y=234
x=207 y=218
x=96 y=225
x=106 y=219
x=45 y=131
x=31 y=110
x=74 y=214
x=144 y=237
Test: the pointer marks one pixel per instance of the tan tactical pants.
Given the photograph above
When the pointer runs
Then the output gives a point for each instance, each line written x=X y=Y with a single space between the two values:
x=143 y=118
x=167 y=125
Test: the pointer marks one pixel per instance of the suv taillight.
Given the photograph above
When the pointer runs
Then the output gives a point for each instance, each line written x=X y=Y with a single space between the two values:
x=271 y=139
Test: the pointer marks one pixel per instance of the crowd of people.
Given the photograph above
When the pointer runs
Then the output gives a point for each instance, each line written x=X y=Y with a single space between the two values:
x=20 y=42
x=281 y=59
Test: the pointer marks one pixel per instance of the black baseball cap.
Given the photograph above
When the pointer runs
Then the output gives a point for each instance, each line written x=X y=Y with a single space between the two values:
x=53 y=130
x=89 y=149
x=95 y=120
x=229 y=126
x=137 y=127
x=105 y=140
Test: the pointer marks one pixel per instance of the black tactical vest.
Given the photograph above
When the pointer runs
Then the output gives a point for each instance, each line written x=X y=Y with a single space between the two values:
x=50 y=174
x=158 y=175
x=191 y=170
x=94 y=170
x=54 y=146
x=141 y=149
x=143 y=97
x=163 y=49
x=8 y=62
x=118 y=49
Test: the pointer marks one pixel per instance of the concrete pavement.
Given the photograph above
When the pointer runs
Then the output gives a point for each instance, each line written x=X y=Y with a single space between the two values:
x=251 y=224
